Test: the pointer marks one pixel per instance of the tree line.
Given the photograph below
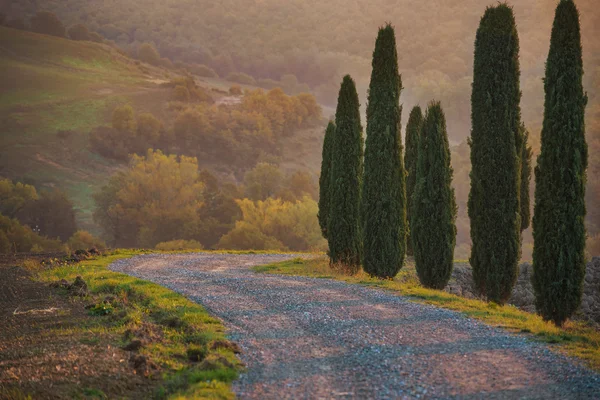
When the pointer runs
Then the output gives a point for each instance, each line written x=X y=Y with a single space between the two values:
x=35 y=221
x=368 y=212
x=239 y=136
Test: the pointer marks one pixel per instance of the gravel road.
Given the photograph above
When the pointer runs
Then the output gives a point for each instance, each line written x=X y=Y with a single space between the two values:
x=306 y=338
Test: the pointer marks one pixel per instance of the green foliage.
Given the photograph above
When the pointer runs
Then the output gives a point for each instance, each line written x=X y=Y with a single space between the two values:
x=52 y=215
x=148 y=54
x=384 y=193
x=343 y=227
x=203 y=71
x=263 y=181
x=526 y=155
x=175 y=245
x=15 y=238
x=149 y=130
x=240 y=77
x=137 y=303
x=157 y=199
x=558 y=229
x=495 y=176
x=83 y=240
x=123 y=119
x=236 y=90
x=433 y=204
x=413 y=130
x=47 y=23
x=15 y=196
x=275 y=224
x=325 y=178
x=181 y=93
x=79 y=32
x=101 y=309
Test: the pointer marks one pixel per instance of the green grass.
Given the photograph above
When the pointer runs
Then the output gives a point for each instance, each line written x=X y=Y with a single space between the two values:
x=185 y=325
x=575 y=338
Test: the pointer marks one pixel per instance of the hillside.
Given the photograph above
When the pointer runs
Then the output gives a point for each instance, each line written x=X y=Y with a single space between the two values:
x=54 y=91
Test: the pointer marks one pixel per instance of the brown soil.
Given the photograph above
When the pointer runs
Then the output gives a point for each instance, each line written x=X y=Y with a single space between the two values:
x=44 y=352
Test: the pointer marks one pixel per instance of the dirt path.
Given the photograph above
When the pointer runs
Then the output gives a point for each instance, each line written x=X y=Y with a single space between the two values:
x=324 y=339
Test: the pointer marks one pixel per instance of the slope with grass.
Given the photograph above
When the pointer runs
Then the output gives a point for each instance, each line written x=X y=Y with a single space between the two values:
x=54 y=91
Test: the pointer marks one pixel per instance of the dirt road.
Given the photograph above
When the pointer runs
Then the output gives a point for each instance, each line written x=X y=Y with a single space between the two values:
x=325 y=339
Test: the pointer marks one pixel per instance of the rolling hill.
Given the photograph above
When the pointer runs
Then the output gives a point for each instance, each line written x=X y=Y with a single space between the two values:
x=53 y=91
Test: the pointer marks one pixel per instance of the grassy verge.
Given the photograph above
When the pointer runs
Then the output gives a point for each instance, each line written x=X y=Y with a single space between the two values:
x=574 y=338
x=195 y=359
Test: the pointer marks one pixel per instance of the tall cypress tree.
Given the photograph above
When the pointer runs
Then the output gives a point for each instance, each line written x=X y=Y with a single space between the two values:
x=343 y=229
x=325 y=178
x=494 y=207
x=413 y=129
x=384 y=195
x=434 y=204
x=560 y=175
x=526 y=154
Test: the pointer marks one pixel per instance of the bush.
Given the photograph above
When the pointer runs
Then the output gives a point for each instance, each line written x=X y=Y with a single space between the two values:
x=235 y=90
x=96 y=37
x=79 y=32
x=181 y=93
x=148 y=54
x=83 y=240
x=240 y=77
x=175 y=245
x=203 y=70
x=47 y=23
x=248 y=237
x=15 y=237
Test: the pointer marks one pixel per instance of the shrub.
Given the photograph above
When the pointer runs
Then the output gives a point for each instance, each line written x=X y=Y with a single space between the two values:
x=79 y=32
x=203 y=70
x=15 y=237
x=123 y=119
x=96 y=37
x=181 y=93
x=83 y=240
x=148 y=54
x=235 y=90
x=175 y=245
x=240 y=77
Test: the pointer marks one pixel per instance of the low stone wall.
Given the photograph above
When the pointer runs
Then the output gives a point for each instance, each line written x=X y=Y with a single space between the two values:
x=522 y=297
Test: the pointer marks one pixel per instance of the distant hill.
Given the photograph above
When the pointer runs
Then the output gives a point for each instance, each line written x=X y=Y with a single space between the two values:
x=54 y=91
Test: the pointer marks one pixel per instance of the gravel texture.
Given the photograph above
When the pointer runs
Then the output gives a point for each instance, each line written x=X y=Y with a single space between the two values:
x=306 y=338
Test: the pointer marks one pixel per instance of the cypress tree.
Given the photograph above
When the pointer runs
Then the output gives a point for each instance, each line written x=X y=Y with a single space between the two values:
x=526 y=155
x=384 y=195
x=413 y=128
x=343 y=229
x=493 y=206
x=434 y=204
x=560 y=175
x=325 y=178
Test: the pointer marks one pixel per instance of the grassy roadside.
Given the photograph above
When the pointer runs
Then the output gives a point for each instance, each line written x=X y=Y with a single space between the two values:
x=187 y=345
x=575 y=338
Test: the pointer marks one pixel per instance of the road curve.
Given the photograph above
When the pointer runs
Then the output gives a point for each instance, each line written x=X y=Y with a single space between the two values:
x=306 y=338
